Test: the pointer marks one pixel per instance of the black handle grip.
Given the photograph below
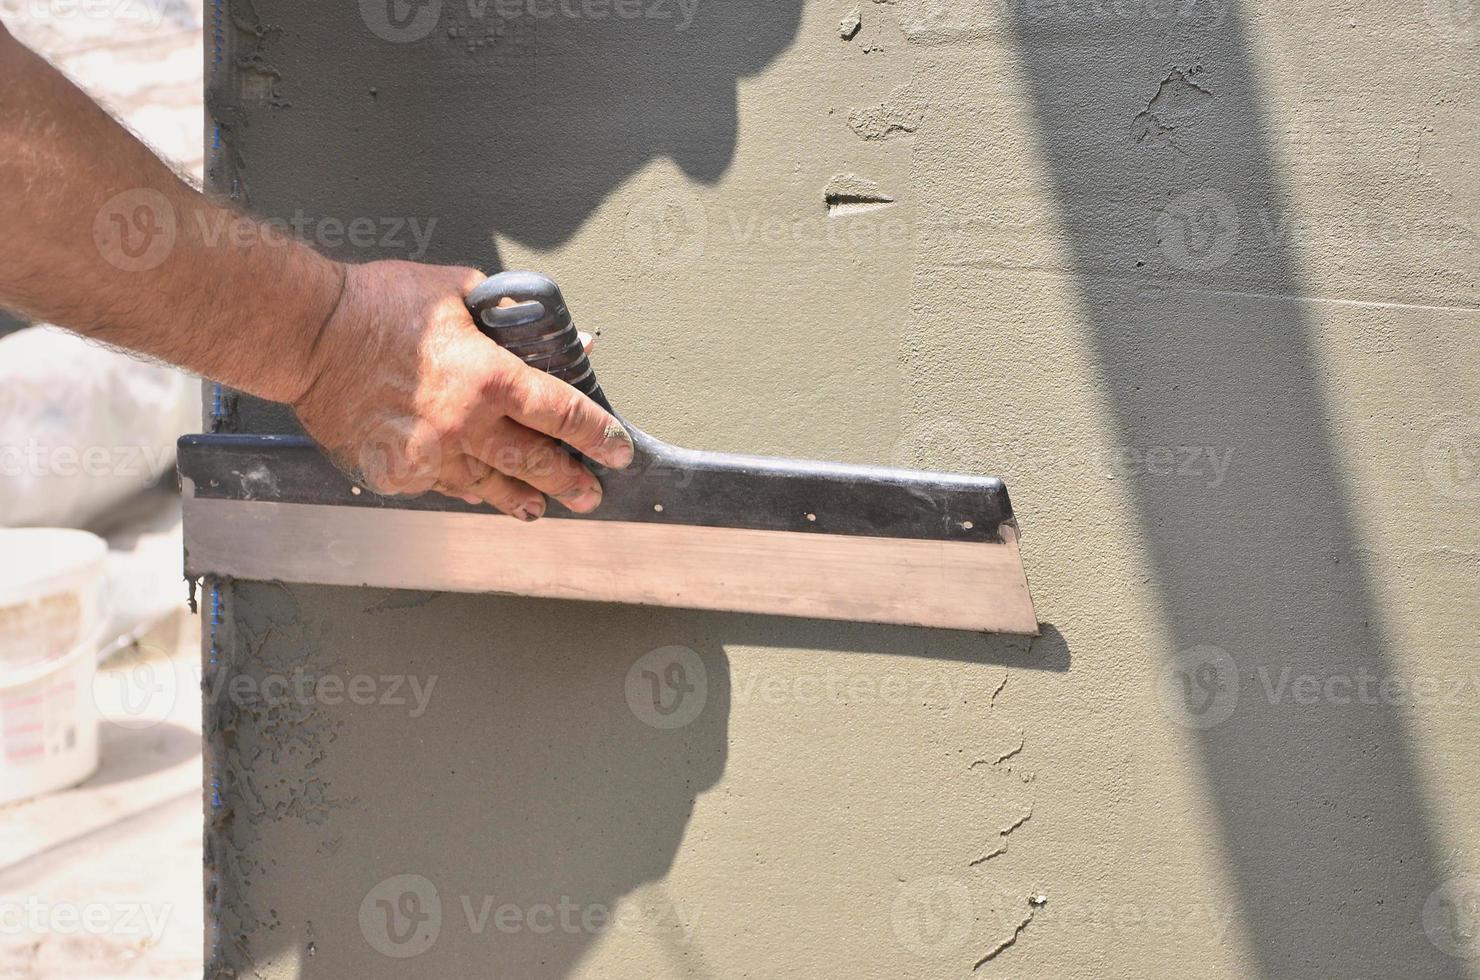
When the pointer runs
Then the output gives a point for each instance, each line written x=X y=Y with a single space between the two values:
x=538 y=329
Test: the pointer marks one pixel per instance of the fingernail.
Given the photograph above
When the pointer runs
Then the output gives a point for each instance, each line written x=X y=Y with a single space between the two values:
x=619 y=443
x=534 y=510
x=581 y=500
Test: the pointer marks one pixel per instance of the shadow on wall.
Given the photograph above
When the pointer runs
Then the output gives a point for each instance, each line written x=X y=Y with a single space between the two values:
x=560 y=798
x=565 y=744
x=1260 y=577
x=530 y=121
x=446 y=125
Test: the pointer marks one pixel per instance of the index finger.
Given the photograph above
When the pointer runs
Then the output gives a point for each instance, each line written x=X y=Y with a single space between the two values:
x=549 y=405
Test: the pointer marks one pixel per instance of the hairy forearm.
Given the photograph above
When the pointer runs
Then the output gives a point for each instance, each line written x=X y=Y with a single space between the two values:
x=103 y=238
x=382 y=362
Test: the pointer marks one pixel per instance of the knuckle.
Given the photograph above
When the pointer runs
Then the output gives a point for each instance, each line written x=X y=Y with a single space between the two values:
x=504 y=386
x=469 y=278
x=574 y=419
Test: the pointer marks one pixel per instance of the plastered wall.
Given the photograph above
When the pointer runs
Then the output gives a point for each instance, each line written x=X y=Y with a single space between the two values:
x=1199 y=279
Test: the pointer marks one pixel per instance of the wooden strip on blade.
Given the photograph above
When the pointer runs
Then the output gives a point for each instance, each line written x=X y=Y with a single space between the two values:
x=946 y=584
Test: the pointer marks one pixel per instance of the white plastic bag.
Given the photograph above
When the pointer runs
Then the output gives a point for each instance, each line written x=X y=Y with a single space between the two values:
x=83 y=427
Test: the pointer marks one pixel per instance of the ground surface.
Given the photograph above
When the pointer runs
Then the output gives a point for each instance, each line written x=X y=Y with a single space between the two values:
x=103 y=880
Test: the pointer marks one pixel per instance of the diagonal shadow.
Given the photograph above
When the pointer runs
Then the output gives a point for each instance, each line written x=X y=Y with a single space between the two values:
x=1159 y=153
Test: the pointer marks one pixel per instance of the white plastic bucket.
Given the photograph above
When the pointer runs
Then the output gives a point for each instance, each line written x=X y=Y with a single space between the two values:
x=49 y=724
x=51 y=594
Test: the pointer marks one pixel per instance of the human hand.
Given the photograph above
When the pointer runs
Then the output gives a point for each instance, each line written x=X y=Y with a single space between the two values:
x=403 y=390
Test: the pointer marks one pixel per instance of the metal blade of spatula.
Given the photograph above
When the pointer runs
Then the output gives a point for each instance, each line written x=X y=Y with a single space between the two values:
x=681 y=528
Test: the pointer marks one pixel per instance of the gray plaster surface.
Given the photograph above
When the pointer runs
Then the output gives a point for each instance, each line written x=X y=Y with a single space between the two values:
x=1199 y=280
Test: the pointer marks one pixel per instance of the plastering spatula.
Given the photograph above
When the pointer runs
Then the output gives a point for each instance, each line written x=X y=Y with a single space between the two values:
x=699 y=530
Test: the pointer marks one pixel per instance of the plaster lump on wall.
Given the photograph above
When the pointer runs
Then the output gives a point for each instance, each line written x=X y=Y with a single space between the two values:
x=850 y=24
x=902 y=112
